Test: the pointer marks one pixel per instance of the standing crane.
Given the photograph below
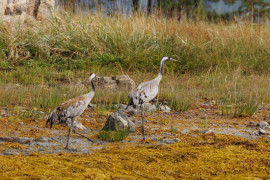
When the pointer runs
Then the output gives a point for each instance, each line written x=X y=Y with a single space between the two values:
x=147 y=91
x=68 y=111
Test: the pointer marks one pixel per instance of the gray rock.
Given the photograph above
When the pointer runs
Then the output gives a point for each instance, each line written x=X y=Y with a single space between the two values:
x=148 y=107
x=170 y=141
x=251 y=123
x=164 y=108
x=118 y=121
x=263 y=124
x=261 y=131
x=21 y=123
x=123 y=82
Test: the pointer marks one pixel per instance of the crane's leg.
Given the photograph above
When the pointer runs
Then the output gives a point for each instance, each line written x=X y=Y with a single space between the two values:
x=83 y=136
x=68 y=137
x=69 y=130
x=143 y=133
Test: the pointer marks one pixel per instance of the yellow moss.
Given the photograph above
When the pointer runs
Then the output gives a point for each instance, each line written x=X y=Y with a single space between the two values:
x=11 y=145
x=210 y=156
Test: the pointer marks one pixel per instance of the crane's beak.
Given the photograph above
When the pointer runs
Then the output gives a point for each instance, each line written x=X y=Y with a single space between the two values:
x=171 y=59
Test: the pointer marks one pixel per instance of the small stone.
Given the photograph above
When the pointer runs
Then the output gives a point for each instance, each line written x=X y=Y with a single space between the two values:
x=164 y=108
x=206 y=131
x=262 y=124
x=251 y=123
x=147 y=107
x=92 y=105
x=261 y=131
x=76 y=124
x=165 y=102
x=21 y=123
x=170 y=141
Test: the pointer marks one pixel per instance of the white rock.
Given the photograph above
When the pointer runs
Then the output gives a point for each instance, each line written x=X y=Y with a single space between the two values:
x=261 y=131
x=164 y=108
x=263 y=124
x=76 y=124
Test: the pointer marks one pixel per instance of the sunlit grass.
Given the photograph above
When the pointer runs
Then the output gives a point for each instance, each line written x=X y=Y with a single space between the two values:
x=238 y=96
x=77 y=42
x=113 y=135
x=42 y=64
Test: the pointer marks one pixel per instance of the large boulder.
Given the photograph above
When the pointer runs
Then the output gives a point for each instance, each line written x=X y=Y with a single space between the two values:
x=119 y=82
x=45 y=9
x=147 y=107
x=15 y=7
x=125 y=82
x=38 y=9
x=118 y=121
x=3 y=5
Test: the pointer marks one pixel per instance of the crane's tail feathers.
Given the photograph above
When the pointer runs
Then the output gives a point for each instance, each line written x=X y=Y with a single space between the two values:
x=131 y=103
x=52 y=119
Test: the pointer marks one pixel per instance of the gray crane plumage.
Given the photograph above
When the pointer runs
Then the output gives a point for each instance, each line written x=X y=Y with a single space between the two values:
x=68 y=111
x=147 y=91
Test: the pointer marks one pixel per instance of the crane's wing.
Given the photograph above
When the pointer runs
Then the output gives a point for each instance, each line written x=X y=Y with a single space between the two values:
x=69 y=109
x=145 y=92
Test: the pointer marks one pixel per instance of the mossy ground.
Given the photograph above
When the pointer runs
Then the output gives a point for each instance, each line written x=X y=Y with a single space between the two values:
x=210 y=156
x=196 y=156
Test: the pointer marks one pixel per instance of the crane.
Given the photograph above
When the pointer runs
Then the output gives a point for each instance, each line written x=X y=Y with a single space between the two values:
x=68 y=111
x=147 y=91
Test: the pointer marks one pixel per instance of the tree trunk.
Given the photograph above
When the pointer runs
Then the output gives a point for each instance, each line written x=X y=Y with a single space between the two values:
x=135 y=4
x=149 y=7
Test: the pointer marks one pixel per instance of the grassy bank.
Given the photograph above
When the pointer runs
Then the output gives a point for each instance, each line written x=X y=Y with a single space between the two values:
x=224 y=63
x=235 y=94
x=77 y=42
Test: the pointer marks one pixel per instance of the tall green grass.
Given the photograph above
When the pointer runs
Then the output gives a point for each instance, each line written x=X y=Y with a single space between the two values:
x=224 y=62
x=77 y=42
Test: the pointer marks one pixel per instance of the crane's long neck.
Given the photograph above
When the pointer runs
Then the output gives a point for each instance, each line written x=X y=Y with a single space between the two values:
x=161 y=71
x=93 y=86
x=161 y=68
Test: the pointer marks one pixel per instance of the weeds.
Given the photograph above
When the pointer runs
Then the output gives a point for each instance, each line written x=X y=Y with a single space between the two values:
x=113 y=135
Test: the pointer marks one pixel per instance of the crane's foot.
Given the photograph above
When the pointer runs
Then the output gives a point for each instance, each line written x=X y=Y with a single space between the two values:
x=143 y=138
x=66 y=148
